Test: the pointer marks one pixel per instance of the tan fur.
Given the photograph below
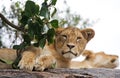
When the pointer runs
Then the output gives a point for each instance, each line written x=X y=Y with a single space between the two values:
x=69 y=43
x=96 y=60
x=7 y=54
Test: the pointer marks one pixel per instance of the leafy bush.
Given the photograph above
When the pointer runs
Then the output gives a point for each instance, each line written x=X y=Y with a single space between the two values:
x=36 y=24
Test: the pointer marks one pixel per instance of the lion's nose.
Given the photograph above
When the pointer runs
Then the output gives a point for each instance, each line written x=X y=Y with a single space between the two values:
x=70 y=46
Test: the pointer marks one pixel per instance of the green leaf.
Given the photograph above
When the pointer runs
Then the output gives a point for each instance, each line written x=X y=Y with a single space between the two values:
x=45 y=0
x=44 y=11
x=39 y=20
x=53 y=65
x=6 y=61
x=31 y=8
x=50 y=35
x=51 y=32
x=54 y=23
x=19 y=47
x=36 y=44
x=34 y=28
x=27 y=39
x=16 y=47
x=55 y=10
x=24 y=18
x=23 y=45
x=30 y=29
x=37 y=8
x=42 y=42
x=53 y=2
x=17 y=4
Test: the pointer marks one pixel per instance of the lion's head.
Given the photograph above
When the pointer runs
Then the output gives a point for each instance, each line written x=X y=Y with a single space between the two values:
x=71 y=41
x=101 y=60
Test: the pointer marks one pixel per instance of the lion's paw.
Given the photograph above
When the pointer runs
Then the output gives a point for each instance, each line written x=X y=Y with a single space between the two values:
x=44 y=62
x=27 y=62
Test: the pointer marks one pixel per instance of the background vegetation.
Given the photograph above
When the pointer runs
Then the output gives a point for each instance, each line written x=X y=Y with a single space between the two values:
x=32 y=23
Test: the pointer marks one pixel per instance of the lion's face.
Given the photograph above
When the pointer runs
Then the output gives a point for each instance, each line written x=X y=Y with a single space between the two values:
x=106 y=60
x=70 y=42
x=100 y=59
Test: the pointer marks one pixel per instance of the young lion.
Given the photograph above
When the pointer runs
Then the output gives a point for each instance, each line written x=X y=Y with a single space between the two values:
x=92 y=60
x=69 y=43
x=96 y=60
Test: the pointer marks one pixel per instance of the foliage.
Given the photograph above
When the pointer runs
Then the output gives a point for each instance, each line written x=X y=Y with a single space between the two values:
x=36 y=25
x=36 y=20
x=7 y=33
x=67 y=18
x=6 y=61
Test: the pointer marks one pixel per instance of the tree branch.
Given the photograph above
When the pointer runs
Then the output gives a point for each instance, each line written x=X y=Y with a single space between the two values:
x=9 y=23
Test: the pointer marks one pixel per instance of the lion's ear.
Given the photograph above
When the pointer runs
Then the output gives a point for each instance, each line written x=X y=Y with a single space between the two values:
x=59 y=30
x=87 y=53
x=88 y=33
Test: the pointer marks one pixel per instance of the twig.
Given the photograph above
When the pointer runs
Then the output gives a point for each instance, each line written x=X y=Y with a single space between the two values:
x=9 y=23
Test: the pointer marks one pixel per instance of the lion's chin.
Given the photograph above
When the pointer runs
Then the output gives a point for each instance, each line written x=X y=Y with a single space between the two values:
x=69 y=55
x=69 y=52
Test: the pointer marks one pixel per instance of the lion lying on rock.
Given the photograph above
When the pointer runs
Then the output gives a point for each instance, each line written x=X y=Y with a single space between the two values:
x=69 y=43
x=96 y=60
x=92 y=60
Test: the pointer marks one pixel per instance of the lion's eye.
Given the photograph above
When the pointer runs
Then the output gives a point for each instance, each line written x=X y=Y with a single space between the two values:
x=64 y=37
x=113 y=60
x=78 y=39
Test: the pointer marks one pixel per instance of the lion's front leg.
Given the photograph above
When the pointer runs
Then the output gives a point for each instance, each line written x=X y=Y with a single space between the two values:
x=27 y=61
x=45 y=61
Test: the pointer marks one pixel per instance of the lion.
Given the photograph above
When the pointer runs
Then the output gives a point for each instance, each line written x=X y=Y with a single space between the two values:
x=92 y=60
x=96 y=60
x=69 y=43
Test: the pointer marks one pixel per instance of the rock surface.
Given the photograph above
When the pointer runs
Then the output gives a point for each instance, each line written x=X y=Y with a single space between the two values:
x=61 y=73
